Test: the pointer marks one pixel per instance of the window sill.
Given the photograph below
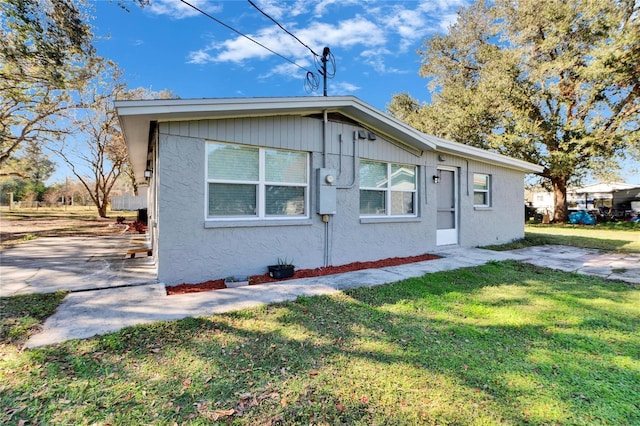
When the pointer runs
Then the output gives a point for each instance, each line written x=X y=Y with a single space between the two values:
x=255 y=223
x=483 y=208
x=367 y=220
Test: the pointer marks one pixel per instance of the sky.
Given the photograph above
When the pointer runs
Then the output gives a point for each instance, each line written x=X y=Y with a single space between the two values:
x=169 y=45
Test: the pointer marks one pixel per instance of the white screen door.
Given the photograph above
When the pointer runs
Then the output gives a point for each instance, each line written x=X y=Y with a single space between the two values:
x=447 y=215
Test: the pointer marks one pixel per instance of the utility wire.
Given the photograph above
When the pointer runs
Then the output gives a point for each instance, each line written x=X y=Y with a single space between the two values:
x=312 y=82
x=282 y=28
x=245 y=36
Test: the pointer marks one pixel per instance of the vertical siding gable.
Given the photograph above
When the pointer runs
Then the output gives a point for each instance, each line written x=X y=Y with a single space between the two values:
x=294 y=133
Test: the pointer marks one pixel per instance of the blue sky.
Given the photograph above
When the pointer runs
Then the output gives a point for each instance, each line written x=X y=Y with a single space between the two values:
x=168 y=45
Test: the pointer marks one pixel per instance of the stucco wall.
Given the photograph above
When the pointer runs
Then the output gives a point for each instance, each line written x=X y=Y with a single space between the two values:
x=190 y=249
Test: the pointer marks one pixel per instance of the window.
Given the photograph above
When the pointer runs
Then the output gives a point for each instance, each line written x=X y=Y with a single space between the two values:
x=481 y=190
x=245 y=182
x=387 y=189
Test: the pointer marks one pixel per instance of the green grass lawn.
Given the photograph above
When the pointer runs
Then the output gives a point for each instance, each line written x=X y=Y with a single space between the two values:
x=621 y=237
x=505 y=343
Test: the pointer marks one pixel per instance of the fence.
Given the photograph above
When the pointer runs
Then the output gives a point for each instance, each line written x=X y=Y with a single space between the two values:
x=129 y=202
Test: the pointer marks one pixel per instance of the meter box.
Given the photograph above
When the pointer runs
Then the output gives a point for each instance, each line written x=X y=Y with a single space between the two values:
x=326 y=195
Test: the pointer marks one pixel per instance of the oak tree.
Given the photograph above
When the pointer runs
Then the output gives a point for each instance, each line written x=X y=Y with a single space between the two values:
x=45 y=44
x=554 y=82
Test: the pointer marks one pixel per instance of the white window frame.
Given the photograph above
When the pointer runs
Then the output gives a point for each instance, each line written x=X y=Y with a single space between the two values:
x=261 y=183
x=484 y=191
x=388 y=191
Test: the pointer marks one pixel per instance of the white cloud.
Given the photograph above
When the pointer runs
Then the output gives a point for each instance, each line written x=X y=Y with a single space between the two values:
x=287 y=69
x=341 y=88
x=273 y=8
x=348 y=33
x=321 y=7
x=178 y=10
x=409 y=24
x=447 y=20
x=441 y=5
x=199 y=57
x=374 y=31
x=375 y=58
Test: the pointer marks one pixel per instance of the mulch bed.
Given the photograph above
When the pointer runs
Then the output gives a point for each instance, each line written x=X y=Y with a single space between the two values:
x=302 y=273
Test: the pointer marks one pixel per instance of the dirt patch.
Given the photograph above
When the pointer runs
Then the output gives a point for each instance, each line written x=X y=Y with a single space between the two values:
x=18 y=227
x=17 y=231
x=185 y=288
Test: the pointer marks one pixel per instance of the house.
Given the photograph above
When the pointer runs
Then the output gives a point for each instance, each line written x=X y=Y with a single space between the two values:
x=620 y=200
x=236 y=184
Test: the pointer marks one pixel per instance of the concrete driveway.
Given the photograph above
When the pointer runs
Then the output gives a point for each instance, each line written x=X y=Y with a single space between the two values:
x=613 y=266
x=46 y=265
x=110 y=292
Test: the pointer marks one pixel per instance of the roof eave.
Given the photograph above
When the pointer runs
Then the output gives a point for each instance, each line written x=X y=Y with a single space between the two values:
x=485 y=156
x=135 y=117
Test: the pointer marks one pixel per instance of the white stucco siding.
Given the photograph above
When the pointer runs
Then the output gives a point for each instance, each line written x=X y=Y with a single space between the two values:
x=503 y=221
x=189 y=252
x=192 y=249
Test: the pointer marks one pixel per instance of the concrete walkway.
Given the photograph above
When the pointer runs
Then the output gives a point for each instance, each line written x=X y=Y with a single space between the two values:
x=613 y=266
x=46 y=265
x=109 y=292
x=87 y=313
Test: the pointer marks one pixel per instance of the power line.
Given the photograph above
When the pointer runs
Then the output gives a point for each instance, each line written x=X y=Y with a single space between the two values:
x=245 y=36
x=321 y=61
x=282 y=28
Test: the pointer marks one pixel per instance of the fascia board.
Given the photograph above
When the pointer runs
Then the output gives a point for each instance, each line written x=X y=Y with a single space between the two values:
x=485 y=156
x=350 y=106
x=136 y=115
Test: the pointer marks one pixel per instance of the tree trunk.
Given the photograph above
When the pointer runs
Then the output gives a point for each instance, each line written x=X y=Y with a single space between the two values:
x=559 y=199
x=102 y=210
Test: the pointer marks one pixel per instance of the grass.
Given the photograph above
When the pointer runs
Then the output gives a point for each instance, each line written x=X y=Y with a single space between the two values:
x=21 y=315
x=623 y=237
x=53 y=213
x=504 y=343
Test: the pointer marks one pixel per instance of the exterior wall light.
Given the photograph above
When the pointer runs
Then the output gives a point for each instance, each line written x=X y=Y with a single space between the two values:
x=436 y=179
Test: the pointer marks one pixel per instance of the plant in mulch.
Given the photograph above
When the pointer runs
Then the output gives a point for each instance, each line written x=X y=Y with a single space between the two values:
x=138 y=227
x=302 y=273
x=120 y=220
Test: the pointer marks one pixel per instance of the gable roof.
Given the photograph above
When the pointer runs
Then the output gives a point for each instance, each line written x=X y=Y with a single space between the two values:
x=136 y=118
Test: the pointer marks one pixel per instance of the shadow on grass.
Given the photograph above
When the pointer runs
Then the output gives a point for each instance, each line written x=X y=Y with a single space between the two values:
x=505 y=342
x=533 y=239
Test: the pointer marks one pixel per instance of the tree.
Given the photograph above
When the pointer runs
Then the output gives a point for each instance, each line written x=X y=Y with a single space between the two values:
x=37 y=167
x=46 y=47
x=45 y=44
x=95 y=150
x=555 y=83
x=29 y=170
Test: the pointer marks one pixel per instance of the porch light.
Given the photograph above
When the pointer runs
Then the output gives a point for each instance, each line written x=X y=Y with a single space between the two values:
x=436 y=179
